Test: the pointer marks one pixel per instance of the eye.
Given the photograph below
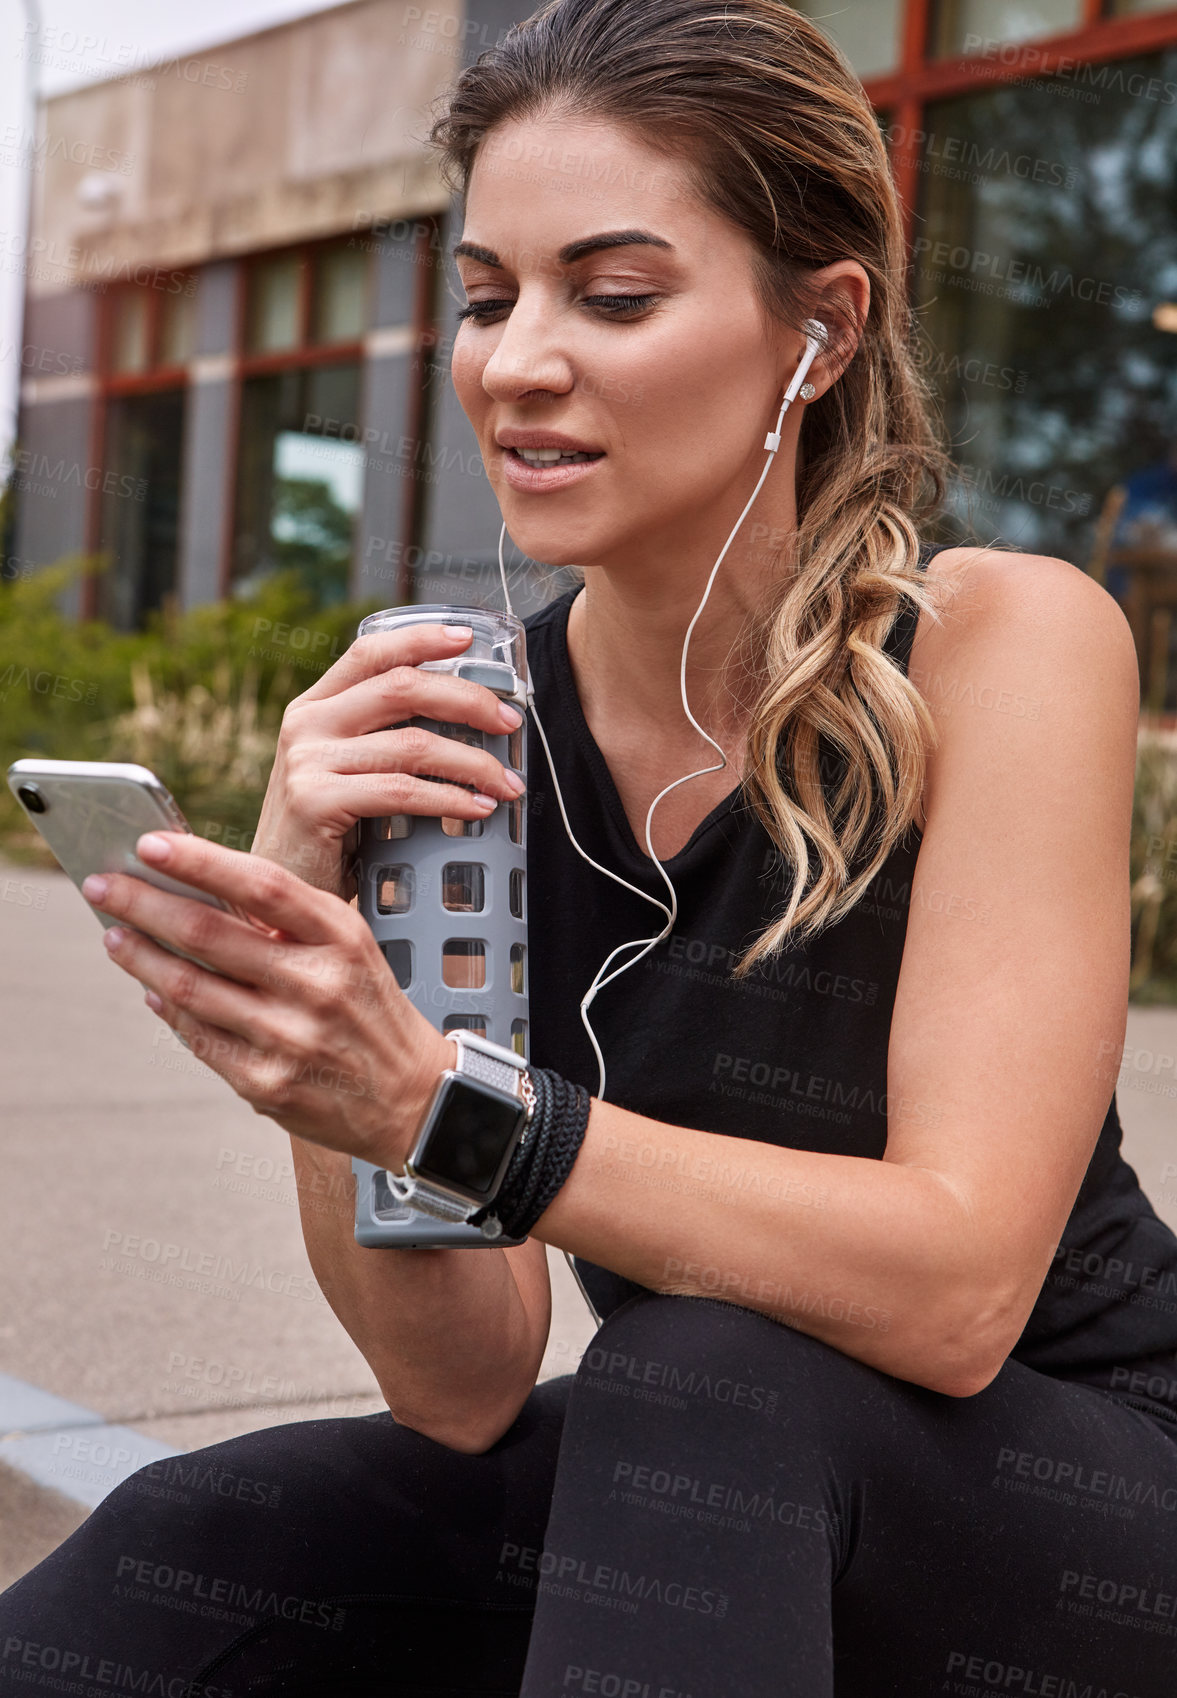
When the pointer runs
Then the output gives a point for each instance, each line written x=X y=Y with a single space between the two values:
x=478 y=310
x=619 y=303
x=614 y=306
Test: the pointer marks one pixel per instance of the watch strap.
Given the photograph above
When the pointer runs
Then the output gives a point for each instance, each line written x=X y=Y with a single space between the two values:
x=426 y=1198
x=488 y=1061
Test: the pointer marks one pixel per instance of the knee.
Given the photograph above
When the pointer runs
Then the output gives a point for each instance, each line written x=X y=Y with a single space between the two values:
x=700 y=1352
x=207 y=1499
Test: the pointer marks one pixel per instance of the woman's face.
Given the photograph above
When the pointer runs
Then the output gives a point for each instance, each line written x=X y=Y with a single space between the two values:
x=654 y=354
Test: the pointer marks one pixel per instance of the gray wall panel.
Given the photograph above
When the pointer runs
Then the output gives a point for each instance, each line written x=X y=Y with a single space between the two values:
x=51 y=476
x=216 y=307
x=393 y=259
x=462 y=518
x=388 y=465
x=60 y=333
x=207 y=488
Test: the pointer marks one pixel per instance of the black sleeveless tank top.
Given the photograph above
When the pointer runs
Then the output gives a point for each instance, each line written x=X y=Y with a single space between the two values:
x=796 y=1054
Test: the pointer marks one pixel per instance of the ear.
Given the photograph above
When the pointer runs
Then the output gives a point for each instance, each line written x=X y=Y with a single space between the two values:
x=842 y=292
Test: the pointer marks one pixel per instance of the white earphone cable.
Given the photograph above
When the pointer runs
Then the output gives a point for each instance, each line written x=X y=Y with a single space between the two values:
x=815 y=339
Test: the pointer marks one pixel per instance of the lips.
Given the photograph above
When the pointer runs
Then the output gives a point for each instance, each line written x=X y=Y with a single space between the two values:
x=545 y=439
x=552 y=456
x=519 y=475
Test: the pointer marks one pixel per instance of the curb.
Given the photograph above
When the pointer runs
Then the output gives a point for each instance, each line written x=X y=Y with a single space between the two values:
x=73 y=1451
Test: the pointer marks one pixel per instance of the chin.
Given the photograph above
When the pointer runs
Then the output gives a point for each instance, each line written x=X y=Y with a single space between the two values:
x=551 y=546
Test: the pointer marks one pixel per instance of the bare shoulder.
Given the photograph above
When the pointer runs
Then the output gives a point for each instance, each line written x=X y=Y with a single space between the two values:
x=1022 y=640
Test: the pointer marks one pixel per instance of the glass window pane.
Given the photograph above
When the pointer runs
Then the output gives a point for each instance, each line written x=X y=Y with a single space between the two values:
x=177 y=326
x=966 y=26
x=1047 y=236
x=140 y=505
x=299 y=479
x=129 y=343
x=272 y=321
x=867 y=31
x=339 y=308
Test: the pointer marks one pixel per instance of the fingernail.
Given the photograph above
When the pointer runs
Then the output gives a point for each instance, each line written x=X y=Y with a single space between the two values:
x=95 y=887
x=113 y=937
x=459 y=632
x=153 y=847
x=513 y=782
x=155 y=1003
x=487 y=802
x=509 y=715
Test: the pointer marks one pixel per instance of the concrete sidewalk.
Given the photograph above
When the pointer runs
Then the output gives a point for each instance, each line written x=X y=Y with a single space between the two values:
x=126 y=1162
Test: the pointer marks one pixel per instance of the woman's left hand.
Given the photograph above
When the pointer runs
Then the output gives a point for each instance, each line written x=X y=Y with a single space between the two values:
x=301 y=1016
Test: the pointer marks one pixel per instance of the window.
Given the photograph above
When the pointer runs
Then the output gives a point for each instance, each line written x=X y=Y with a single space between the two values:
x=130 y=331
x=963 y=26
x=299 y=478
x=148 y=338
x=151 y=325
x=140 y=505
x=867 y=31
x=339 y=300
x=1040 y=259
x=313 y=295
x=299 y=459
x=1131 y=8
x=275 y=288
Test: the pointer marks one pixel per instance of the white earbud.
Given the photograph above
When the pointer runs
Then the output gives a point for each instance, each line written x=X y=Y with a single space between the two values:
x=816 y=337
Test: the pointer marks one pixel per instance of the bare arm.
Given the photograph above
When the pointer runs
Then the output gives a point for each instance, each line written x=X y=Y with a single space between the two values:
x=454 y=1337
x=927 y=1264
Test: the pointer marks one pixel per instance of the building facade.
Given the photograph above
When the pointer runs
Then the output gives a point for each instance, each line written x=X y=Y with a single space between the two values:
x=239 y=309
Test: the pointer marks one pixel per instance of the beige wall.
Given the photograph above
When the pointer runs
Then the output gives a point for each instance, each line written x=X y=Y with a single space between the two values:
x=291 y=133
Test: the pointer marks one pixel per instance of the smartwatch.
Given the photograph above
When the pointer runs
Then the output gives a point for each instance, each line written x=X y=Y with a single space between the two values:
x=480 y=1111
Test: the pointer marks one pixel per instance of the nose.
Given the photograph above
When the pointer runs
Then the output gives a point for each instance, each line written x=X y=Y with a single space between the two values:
x=527 y=358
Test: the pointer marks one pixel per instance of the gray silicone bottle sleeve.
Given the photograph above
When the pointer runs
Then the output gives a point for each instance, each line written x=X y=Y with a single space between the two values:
x=449 y=914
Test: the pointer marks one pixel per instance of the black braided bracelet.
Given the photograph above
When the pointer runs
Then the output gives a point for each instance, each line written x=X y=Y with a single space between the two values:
x=544 y=1157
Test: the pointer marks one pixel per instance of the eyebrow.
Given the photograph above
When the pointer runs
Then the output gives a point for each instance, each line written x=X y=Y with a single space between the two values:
x=575 y=250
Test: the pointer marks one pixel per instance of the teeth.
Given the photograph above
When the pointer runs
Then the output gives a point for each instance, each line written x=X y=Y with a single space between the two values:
x=550 y=456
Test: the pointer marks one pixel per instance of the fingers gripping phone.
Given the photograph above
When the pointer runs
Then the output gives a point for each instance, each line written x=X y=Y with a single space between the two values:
x=92 y=813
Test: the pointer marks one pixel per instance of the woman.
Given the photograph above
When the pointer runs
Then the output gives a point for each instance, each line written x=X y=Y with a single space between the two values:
x=879 y=1399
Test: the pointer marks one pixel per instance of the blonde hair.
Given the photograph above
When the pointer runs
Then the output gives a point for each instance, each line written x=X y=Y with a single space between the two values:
x=776 y=133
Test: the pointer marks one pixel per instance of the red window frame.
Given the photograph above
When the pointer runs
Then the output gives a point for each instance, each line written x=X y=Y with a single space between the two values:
x=920 y=78
x=112 y=384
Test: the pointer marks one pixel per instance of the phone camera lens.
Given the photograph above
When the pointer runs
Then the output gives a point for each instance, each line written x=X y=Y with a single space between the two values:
x=32 y=799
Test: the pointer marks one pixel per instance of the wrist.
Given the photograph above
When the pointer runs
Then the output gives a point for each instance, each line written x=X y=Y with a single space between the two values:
x=435 y=1055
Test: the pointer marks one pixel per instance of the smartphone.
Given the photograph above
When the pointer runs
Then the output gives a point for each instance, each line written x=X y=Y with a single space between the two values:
x=92 y=813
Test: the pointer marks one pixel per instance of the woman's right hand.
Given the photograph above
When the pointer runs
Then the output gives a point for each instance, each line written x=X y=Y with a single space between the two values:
x=337 y=762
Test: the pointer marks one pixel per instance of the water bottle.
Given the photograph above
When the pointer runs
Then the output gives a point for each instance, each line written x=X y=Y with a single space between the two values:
x=446 y=901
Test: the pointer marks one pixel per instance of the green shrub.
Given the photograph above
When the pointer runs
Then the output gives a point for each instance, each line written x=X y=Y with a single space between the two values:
x=1154 y=869
x=198 y=697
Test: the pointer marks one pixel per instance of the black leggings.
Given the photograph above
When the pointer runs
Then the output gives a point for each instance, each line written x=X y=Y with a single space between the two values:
x=714 y=1505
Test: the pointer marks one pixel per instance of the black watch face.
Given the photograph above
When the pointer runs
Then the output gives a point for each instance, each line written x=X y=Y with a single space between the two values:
x=466 y=1143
